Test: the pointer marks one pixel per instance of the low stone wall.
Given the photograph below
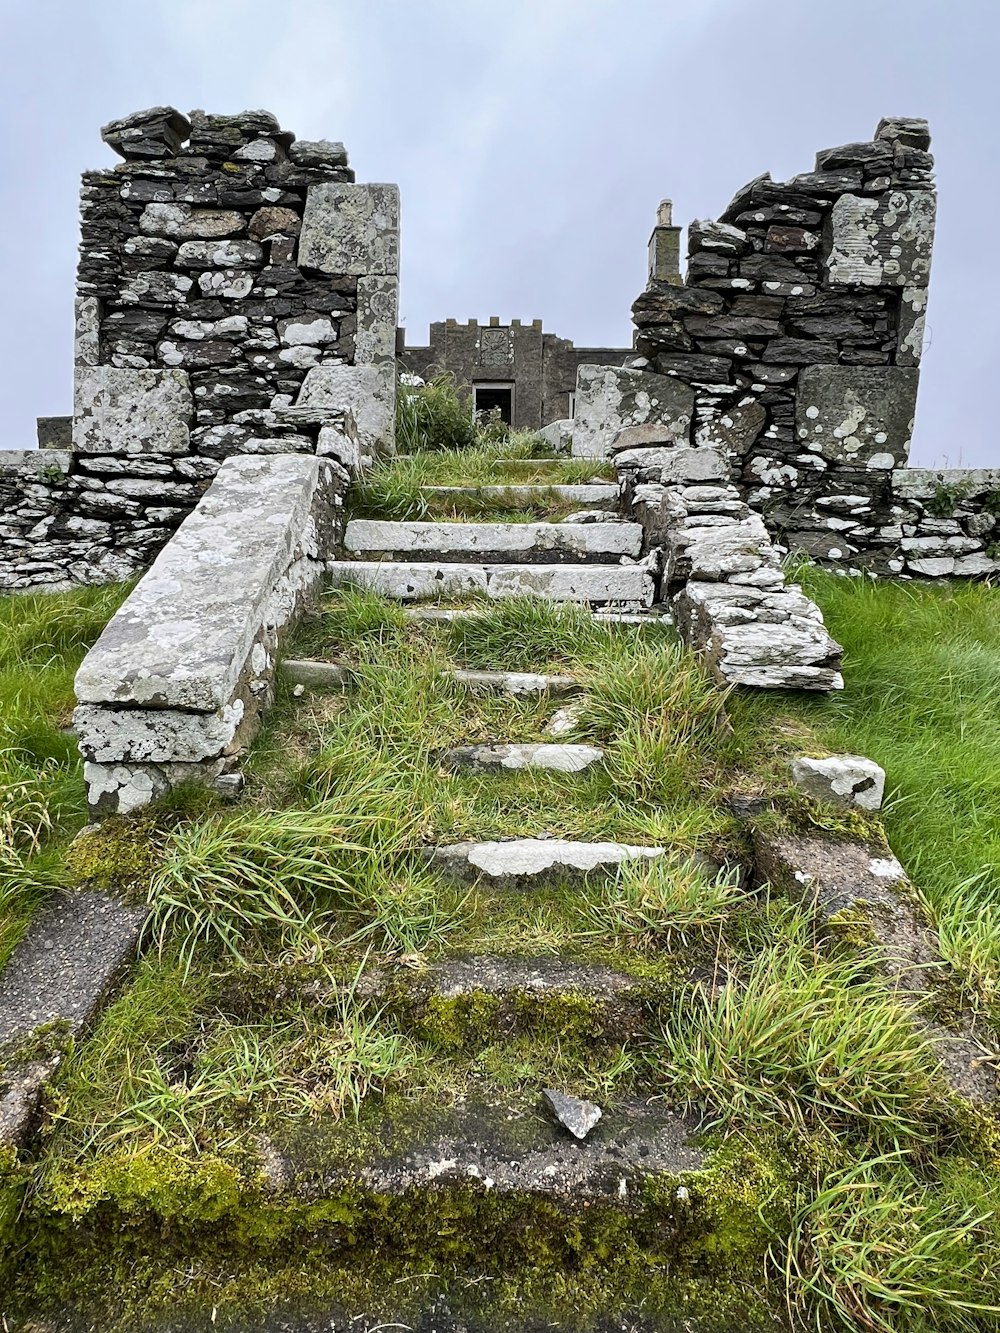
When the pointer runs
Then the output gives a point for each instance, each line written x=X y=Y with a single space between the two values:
x=720 y=568
x=175 y=687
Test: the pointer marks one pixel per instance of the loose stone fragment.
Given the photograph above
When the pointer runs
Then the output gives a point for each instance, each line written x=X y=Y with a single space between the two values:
x=578 y=1116
x=158 y=132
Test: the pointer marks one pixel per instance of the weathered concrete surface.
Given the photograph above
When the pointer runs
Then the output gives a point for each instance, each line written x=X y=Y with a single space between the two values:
x=857 y=415
x=182 y=638
x=885 y=241
x=500 y=542
x=610 y=398
x=351 y=229
x=841 y=779
x=131 y=411
x=560 y=758
x=523 y=862
x=50 y=990
x=413 y=581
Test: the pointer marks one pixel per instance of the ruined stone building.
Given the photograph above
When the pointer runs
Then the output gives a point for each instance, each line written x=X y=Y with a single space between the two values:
x=530 y=375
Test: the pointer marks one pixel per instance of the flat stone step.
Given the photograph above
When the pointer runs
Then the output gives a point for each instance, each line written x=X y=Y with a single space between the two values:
x=448 y=615
x=56 y=981
x=560 y=758
x=549 y=543
x=515 y=682
x=595 y=495
x=631 y=586
x=444 y=1000
x=523 y=862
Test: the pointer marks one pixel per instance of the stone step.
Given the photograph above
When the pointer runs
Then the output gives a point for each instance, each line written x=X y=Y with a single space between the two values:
x=560 y=758
x=484 y=999
x=415 y=581
x=319 y=674
x=448 y=615
x=515 y=682
x=548 y=543
x=595 y=495
x=525 y=862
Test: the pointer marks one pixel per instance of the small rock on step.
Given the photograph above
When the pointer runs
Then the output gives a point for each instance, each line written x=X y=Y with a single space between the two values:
x=578 y=1116
x=533 y=860
x=560 y=758
x=841 y=779
x=565 y=720
x=515 y=682
x=593 y=516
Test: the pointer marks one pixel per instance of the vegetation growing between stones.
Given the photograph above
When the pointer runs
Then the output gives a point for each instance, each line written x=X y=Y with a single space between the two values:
x=869 y=1196
x=42 y=640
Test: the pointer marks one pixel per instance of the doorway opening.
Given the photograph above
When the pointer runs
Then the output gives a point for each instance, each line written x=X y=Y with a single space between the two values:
x=490 y=396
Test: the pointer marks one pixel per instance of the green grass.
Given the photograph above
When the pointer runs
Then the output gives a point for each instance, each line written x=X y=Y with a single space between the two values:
x=43 y=638
x=392 y=489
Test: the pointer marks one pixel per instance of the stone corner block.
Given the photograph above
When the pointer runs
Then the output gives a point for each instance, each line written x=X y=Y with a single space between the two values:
x=368 y=391
x=610 y=398
x=841 y=779
x=351 y=229
x=859 y=415
x=131 y=411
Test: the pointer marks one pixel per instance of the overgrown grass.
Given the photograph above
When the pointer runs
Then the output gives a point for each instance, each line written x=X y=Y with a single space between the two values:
x=43 y=638
x=392 y=489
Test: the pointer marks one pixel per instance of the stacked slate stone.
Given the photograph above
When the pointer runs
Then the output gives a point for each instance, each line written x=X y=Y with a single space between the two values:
x=189 y=247
x=800 y=329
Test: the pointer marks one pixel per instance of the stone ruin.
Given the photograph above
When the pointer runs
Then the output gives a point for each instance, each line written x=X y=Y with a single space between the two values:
x=237 y=293
x=793 y=350
x=235 y=365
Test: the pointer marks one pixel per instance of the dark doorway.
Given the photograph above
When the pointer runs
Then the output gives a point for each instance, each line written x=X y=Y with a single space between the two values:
x=490 y=396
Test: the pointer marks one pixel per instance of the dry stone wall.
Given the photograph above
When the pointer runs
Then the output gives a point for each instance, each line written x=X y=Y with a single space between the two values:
x=237 y=294
x=793 y=347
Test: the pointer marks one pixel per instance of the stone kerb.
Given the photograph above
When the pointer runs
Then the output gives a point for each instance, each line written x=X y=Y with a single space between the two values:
x=175 y=686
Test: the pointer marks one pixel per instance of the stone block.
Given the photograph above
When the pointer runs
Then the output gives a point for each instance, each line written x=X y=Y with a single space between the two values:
x=370 y=393
x=609 y=398
x=377 y=318
x=859 y=415
x=558 y=435
x=182 y=222
x=87 y=331
x=131 y=411
x=219 y=254
x=841 y=779
x=910 y=330
x=351 y=230
x=503 y=542
x=882 y=241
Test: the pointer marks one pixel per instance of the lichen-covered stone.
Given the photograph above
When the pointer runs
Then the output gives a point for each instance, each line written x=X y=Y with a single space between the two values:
x=857 y=414
x=609 y=399
x=132 y=411
x=351 y=229
x=883 y=241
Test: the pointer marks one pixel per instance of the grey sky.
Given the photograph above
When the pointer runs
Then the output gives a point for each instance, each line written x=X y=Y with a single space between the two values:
x=531 y=139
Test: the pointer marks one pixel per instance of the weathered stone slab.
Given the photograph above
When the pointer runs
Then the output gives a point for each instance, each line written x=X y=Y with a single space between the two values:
x=408 y=581
x=377 y=318
x=558 y=435
x=882 y=241
x=912 y=323
x=632 y=584
x=862 y=415
x=526 y=861
x=515 y=682
x=610 y=398
x=841 y=779
x=57 y=977
x=322 y=675
x=156 y=735
x=131 y=411
x=368 y=391
x=350 y=229
x=596 y=495
x=672 y=465
x=560 y=758
x=542 y=542
x=181 y=222
x=183 y=638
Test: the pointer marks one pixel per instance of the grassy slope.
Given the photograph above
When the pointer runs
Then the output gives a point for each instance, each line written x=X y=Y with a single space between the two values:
x=42 y=641
x=886 y=1209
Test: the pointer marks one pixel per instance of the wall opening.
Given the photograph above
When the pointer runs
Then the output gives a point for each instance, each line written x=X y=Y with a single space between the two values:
x=489 y=396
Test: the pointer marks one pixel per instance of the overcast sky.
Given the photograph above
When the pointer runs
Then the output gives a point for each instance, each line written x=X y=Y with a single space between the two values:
x=531 y=139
